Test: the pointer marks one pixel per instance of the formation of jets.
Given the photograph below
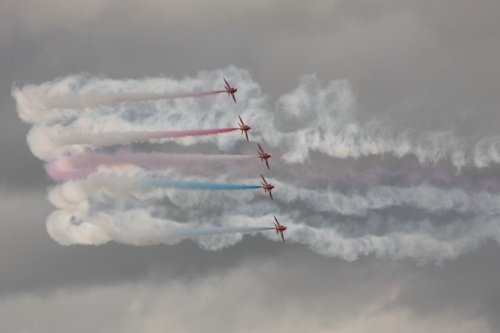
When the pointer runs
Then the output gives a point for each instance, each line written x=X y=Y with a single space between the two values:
x=264 y=157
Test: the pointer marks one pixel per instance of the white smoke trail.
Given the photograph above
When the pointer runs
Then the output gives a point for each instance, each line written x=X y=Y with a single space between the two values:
x=35 y=102
x=423 y=241
x=420 y=239
x=428 y=244
x=428 y=198
x=135 y=227
x=425 y=197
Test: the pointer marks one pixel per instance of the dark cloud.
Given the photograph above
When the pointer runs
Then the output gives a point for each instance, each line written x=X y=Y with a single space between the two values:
x=290 y=290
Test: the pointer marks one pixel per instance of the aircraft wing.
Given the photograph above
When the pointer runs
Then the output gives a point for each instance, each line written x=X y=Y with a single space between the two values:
x=267 y=164
x=271 y=195
x=234 y=98
x=246 y=134
x=282 y=237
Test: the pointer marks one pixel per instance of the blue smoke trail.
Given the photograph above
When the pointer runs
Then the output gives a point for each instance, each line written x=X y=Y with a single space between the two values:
x=188 y=185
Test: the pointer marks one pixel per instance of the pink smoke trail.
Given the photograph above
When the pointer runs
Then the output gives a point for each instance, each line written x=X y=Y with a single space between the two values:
x=82 y=165
x=364 y=174
x=95 y=99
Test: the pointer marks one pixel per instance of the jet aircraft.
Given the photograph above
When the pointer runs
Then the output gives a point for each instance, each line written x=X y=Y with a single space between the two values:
x=264 y=156
x=267 y=186
x=244 y=128
x=230 y=90
x=279 y=228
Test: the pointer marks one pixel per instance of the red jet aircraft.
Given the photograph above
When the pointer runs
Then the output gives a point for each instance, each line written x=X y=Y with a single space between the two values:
x=264 y=156
x=279 y=228
x=244 y=128
x=230 y=90
x=267 y=187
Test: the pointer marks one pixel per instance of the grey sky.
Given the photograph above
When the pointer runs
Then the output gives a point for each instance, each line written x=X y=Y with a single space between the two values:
x=412 y=64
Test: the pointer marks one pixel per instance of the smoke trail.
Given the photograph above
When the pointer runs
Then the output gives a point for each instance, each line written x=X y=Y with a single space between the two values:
x=82 y=165
x=89 y=101
x=425 y=244
x=164 y=182
x=364 y=173
x=202 y=231
x=422 y=241
x=417 y=239
x=427 y=198
x=115 y=138
x=84 y=91
x=53 y=142
x=73 y=195
x=360 y=175
x=136 y=227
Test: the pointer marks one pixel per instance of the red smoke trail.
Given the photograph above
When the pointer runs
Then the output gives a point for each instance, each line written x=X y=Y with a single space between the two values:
x=181 y=134
x=104 y=139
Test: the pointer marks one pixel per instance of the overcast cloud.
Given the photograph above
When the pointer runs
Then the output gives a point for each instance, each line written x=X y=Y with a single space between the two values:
x=412 y=66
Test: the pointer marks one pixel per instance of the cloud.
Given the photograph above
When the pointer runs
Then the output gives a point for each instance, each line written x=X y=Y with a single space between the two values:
x=428 y=66
x=264 y=302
